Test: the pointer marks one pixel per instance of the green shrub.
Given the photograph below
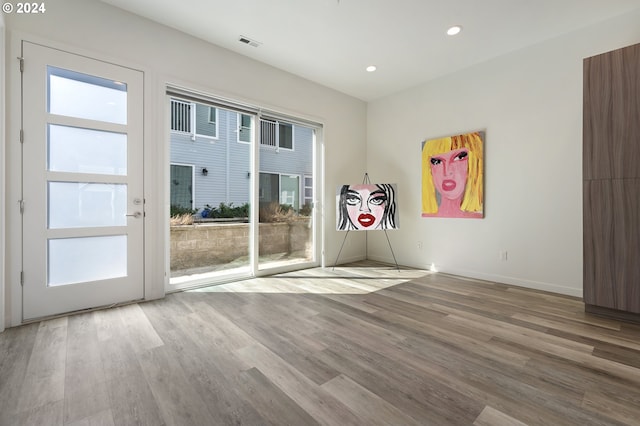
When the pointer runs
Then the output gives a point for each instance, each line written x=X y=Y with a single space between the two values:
x=227 y=211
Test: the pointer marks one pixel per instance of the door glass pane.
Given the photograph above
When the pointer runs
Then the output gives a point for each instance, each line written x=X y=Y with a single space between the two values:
x=78 y=150
x=209 y=190
x=286 y=227
x=81 y=204
x=77 y=260
x=74 y=94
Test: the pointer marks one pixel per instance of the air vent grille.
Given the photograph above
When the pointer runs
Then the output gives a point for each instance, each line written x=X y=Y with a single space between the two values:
x=250 y=42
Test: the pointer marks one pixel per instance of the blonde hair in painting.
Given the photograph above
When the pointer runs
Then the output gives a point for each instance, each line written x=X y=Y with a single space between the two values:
x=473 y=196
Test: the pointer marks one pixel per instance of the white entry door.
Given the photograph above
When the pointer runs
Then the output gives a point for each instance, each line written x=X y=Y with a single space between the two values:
x=82 y=180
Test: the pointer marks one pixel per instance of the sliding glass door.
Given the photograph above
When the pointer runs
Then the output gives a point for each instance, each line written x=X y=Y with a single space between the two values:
x=229 y=167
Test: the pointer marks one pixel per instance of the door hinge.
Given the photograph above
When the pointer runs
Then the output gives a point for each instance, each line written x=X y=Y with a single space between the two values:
x=21 y=59
x=21 y=136
x=21 y=202
x=22 y=278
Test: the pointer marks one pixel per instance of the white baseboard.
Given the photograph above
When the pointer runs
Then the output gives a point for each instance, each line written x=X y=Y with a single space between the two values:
x=344 y=260
x=502 y=279
x=535 y=285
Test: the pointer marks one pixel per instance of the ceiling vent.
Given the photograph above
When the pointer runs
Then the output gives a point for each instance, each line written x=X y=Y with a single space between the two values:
x=247 y=40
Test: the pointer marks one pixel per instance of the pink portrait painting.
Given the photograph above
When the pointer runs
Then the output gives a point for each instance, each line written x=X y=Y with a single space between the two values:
x=452 y=176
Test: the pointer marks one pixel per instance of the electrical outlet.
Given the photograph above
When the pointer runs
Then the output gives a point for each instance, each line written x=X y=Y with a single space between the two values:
x=419 y=245
x=502 y=255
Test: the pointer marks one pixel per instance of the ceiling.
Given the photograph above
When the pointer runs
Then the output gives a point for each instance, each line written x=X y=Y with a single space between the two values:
x=331 y=42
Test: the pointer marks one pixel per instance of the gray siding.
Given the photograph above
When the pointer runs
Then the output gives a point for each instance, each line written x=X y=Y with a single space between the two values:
x=227 y=160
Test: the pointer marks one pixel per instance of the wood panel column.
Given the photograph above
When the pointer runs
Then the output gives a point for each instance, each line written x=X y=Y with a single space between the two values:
x=611 y=183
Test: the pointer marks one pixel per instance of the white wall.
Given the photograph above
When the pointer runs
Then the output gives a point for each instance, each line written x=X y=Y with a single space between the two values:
x=530 y=104
x=98 y=30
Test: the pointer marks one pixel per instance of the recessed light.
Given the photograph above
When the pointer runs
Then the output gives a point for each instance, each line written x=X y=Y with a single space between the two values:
x=371 y=68
x=454 y=30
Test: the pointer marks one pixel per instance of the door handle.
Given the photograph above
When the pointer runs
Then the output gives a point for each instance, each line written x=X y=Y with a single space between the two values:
x=137 y=215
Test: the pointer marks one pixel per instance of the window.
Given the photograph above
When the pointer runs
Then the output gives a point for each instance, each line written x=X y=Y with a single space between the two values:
x=276 y=134
x=244 y=128
x=206 y=121
x=181 y=186
x=180 y=116
x=193 y=118
x=285 y=139
x=282 y=189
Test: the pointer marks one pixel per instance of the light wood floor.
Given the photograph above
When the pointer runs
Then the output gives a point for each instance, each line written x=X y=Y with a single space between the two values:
x=362 y=345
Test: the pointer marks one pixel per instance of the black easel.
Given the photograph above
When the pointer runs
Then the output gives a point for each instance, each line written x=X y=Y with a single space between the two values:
x=366 y=180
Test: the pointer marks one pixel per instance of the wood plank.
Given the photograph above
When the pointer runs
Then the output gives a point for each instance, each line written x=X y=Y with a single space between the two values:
x=85 y=384
x=492 y=417
x=45 y=375
x=179 y=404
x=369 y=407
x=322 y=406
x=49 y=414
x=271 y=402
x=415 y=394
x=16 y=345
x=614 y=408
x=133 y=402
x=130 y=397
x=580 y=330
x=138 y=328
x=103 y=418
x=213 y=373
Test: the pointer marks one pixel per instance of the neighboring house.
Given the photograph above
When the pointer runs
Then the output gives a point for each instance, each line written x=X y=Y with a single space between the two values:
x=210 y=155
